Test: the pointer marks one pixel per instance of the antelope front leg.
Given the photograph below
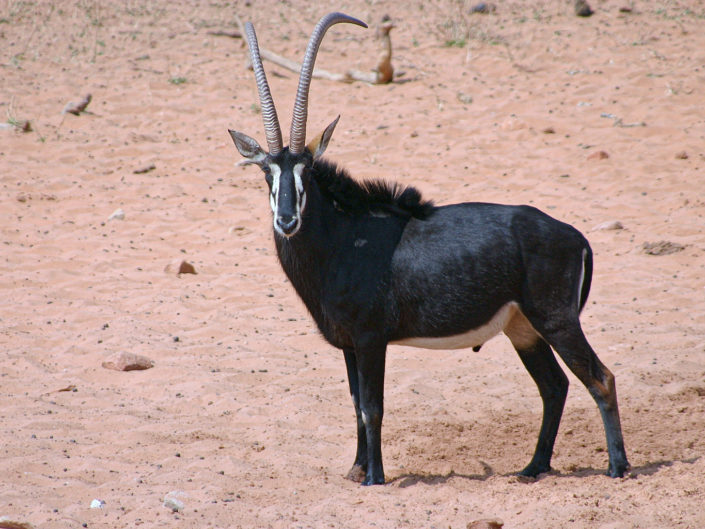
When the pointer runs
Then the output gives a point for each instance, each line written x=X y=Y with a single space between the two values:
x=359 y=469
x=370 y=371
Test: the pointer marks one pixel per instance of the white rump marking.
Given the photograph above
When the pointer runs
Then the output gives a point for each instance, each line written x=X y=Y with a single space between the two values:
x=500 y=321
x=582 y=279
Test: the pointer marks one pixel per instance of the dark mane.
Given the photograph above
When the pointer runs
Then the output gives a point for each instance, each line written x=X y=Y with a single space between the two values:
x=368 y=196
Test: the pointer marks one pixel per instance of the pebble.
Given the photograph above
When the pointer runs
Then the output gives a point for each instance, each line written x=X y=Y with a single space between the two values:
x=97 y=504
x=483 y=8
x=682 y=155
x=118 y=214
x=598 y=155
x=609 y=225
x=186 y=268
x=486 y=524
x=172 y=501
x=464 y=98
x=128 y=362
x=145 y=169
x=582 y=8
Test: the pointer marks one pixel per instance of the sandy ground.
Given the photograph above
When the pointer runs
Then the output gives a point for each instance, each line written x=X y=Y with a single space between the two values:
x=246 y=413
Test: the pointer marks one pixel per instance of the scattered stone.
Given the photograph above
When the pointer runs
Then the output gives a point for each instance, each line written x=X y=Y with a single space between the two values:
x=21 y=197
x=8 y=523
x=609 y=225
x=118 y=214
x=172 y=501
x=186 y=268
x=493 y=523
x=662 y=248
x=464 y=98
x=483 y=8
x=145 y=169
x=23 y=125
x=549 y=130
x=598 y=155
x=625 y=9
x=97 y=504
x=583 y=9
x=76 y=108
x=128 y=362
x=682 y=155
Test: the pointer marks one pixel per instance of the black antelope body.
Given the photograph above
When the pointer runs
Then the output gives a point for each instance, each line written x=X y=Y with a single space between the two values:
x=377 y=265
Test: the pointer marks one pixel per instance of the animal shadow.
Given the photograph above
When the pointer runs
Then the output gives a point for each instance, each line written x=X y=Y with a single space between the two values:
x=411 y=479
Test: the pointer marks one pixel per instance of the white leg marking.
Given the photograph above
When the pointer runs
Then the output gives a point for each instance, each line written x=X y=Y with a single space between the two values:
x=365 y=418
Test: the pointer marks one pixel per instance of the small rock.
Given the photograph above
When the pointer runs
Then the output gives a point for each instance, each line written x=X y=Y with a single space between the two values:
x=598 y=155
x=662 y=248
x=118 y=214
x=609 y=225
x=582 y=8
x=483 y=8
x=486 y=524
x=8 y=523
x=128 y=362
x=682 y=155
x=175 y=504
x=186 y=268
x=464 y=98
x=549 y=130
x=625 y=9
x=76 y=108
x=172 y=501
x=145 y=169
x=22 y=197
x=97 y=504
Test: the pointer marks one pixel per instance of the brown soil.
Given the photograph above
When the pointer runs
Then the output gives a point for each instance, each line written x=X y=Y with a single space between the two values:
x=246 y=411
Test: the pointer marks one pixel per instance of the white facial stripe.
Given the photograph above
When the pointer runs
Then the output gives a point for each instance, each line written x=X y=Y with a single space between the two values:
x=299 y=183
x=298 y=169
x=276 y=174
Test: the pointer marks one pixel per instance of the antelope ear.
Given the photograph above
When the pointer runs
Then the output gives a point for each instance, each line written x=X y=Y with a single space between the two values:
x=317 y=145
x=248 y=147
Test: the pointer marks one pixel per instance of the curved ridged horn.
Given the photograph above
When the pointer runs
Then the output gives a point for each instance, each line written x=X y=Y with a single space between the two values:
x=297 y=141
x=272 y=130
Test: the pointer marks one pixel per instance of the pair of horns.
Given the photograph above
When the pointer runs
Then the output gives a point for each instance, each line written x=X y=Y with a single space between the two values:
x=272 y=130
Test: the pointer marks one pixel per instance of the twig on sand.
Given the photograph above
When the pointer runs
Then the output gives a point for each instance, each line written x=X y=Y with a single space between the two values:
x=382 y=74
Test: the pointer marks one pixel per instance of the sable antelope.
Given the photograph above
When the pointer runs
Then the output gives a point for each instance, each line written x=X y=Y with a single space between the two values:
x=375 y=264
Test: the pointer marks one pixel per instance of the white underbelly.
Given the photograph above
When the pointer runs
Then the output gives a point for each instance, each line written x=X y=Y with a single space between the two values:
x=471 y=338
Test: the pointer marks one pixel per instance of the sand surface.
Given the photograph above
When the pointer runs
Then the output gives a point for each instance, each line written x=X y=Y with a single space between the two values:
x=246 y=414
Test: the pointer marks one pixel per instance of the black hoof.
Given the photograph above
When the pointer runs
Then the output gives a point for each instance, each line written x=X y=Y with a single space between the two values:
x=532 y=470
x=368 y=482
x=618 y=471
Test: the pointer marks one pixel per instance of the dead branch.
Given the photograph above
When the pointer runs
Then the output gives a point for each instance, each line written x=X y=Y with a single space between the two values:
x=382 y=74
